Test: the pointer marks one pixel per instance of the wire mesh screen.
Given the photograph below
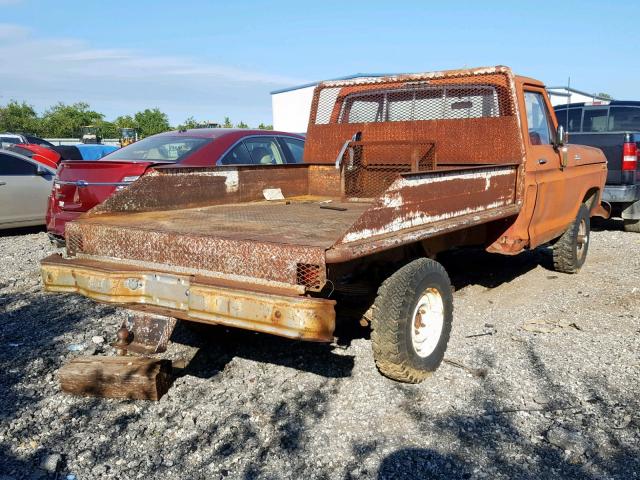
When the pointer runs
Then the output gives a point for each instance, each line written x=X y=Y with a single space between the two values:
x=421 y=103
x=309 y=276
x=369 y=168
x=393 y=99
x=74 y=243
x=327 y=98
x=471 y=115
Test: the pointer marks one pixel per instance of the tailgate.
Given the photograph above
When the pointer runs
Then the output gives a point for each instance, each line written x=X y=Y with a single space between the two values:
x=611 y=145
x=217 y=223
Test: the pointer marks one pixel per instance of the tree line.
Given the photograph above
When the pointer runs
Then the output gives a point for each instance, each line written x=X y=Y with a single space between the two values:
x=66 y=121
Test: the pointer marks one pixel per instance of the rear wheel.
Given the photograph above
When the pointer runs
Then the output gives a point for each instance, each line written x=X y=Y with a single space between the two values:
x=570 y=251
x=632 y=226
x=411 y=321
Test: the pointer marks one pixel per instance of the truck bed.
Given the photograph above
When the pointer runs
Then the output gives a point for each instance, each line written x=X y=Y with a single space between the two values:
x=224 y=228
x=312 y=221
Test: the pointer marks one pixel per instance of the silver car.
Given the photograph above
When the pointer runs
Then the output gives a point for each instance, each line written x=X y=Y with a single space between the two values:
x=25 y=186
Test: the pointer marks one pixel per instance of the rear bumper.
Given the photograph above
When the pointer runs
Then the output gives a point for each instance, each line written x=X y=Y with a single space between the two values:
x=621 y=193
x=192 y=298
x=627 y=198
x=57 y=219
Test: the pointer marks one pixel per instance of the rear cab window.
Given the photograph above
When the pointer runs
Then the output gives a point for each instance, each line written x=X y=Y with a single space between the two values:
x=422 y=103
x=163 y=148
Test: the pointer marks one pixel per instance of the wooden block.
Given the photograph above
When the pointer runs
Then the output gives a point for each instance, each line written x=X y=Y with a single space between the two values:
x=136 y=378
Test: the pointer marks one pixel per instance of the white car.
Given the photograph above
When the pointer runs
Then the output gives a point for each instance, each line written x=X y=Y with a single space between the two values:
x=25 y=186
x=8 y=139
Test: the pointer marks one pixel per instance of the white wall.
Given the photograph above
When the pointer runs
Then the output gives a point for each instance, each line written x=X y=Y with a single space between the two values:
x=291 y=109
x=573 y=98
x=75 y=141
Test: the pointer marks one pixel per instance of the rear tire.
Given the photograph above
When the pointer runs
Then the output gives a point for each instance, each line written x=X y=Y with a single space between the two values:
x=411 y=321
x=570 y=251
x=632 y=226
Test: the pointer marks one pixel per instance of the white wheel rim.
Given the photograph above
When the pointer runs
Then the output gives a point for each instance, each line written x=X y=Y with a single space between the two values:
x=582 y=240
x=428 y=320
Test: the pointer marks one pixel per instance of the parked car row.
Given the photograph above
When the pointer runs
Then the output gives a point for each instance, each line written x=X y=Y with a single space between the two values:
x=82 y=184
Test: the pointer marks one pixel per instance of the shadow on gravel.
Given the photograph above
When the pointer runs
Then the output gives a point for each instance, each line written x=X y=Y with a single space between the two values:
x=30 y=323
x=472 y=266
x=217 y=346
x=585 y=441
x=14 y=232
x=601 y=225
x=423 y=463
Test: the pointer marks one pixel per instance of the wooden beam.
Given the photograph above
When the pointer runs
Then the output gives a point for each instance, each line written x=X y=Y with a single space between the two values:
x=136 y=378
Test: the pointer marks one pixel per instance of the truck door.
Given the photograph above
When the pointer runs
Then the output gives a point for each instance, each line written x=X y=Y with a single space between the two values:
x=553 y=204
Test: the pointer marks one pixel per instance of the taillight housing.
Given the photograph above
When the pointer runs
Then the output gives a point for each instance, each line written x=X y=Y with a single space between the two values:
x=629 y=153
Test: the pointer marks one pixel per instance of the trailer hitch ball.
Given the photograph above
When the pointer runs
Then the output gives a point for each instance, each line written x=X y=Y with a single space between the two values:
x=122 y=342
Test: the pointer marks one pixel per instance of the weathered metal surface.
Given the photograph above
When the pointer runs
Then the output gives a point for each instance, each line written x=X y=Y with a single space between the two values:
x=417 y=206
x=476 y=119
x=189 y=187
x=149 y=334
x=369 y=168
x=264 y=241
x=186 y=297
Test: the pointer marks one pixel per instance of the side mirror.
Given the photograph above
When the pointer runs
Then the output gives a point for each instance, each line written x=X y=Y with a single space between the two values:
x=560 y=136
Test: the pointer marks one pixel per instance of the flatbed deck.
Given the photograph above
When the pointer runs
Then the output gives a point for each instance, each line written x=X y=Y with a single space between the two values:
x=312 y=221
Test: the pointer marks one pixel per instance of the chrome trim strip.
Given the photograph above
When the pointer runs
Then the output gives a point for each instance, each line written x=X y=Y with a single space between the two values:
x=84 y=183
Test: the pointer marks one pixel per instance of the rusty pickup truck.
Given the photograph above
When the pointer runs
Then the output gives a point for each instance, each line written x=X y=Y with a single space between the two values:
x=396 y=170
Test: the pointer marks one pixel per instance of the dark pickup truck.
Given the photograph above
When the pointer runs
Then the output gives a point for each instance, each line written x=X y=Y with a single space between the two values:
x=614 y=128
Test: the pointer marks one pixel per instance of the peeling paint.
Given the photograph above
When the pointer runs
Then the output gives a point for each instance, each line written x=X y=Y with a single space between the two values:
x=416 y=219
x=231 y=181
x=438 y=177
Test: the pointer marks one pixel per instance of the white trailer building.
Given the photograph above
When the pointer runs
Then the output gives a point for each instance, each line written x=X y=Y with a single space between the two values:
x=562 y=95
x=291 y=106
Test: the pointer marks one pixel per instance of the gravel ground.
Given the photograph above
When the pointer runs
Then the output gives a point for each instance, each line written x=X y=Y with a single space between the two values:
x=559 y=399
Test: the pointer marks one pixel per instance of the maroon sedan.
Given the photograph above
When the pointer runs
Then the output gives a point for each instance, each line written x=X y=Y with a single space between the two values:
x=81 y=185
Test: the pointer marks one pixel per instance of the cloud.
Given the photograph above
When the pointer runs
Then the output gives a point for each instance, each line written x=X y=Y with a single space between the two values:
x=10 y=32
x=43 y=71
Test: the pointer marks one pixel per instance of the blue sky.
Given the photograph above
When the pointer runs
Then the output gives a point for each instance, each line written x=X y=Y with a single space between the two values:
x=210 y=59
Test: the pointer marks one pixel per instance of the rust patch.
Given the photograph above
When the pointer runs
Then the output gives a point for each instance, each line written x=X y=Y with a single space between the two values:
x=304 y=318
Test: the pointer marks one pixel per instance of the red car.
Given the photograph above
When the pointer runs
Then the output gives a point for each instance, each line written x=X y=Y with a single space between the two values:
x=44 y=155
x=81 y=185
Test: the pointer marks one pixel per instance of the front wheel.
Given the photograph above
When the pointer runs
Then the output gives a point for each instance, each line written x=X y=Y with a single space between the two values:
x=570 y=251
x=411 y=321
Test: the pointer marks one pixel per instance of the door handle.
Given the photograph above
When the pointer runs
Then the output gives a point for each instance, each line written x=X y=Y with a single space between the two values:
x=542 y=161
